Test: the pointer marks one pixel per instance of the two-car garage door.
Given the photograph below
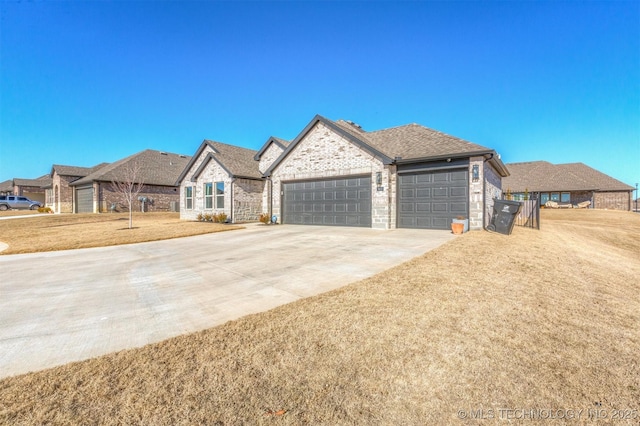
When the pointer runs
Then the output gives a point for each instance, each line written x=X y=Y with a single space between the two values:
x=338 y=202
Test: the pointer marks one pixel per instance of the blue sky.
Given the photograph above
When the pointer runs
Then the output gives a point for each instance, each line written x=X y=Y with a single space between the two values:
x=87 y=82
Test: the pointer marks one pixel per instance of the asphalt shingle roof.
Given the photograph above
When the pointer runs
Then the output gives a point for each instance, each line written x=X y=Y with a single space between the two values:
x=38 y=182
x=238 y=161
x=412 y=141
x=540 y=176
x=156 y=168
x=63 y=170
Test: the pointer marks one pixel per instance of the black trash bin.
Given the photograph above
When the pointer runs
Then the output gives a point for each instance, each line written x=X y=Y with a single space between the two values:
x=504 y=216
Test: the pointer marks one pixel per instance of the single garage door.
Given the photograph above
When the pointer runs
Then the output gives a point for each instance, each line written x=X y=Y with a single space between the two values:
x=336 y=202
x=84 y=200
x=431 y=199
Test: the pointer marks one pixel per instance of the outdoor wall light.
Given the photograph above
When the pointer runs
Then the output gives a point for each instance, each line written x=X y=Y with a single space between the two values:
x=475 y=173
x=378 y=178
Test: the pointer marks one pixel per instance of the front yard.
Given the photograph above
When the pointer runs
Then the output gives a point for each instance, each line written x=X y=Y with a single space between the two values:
x=73 y=231
x=487 y=326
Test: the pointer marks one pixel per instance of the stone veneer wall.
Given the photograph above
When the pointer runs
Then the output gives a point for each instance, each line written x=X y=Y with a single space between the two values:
x=247 y=199
x=492 y=190
x=322 y=153
x=476 y=195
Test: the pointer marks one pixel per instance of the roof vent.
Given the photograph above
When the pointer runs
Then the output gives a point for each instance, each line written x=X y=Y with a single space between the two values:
x=183 y=156
x=163 y=153
x=356 y=125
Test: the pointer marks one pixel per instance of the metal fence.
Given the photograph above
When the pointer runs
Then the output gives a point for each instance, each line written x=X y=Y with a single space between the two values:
x=529 y=216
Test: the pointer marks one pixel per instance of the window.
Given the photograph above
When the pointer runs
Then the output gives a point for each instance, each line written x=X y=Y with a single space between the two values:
x=544 y=197
x=565 y=197
x=208 y=195
x=219 y=195
x=555 y=196
x=188 y=197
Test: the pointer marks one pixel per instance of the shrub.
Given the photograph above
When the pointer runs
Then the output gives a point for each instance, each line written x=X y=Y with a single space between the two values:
x=264 y=218
x=208 y=217
x=220 y=218
x=200 y=217
x=45 y=210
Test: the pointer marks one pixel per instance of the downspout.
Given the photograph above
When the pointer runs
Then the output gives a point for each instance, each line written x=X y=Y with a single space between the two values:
x=270 y=195
x=484 y=194
x=233 y=179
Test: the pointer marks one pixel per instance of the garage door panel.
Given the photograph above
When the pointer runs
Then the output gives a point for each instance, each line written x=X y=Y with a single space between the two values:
x=458 y=208
x=423 y=207
x=431 y=199
x=441 y=192
x=342 y=202
x=460 y=176
x=458 y=191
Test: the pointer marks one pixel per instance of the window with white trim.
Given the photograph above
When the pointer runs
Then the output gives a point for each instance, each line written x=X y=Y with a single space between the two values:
x=208 y=195
x=565 y=197
x=188 y=197
x=219 y=195
x=555 y=196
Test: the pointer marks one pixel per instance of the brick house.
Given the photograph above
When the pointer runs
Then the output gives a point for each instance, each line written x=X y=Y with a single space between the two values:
x=34 y=189
x=158 y=171
x=335 y=173
x=568 y=184
x=59 y=193
x=221 y=178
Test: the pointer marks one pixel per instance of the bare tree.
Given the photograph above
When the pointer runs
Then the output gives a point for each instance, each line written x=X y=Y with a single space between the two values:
x=129 y=186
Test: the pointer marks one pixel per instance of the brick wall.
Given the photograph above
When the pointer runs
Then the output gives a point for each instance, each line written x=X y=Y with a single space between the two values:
x=161 y=196
x=62 y=195
x=613 y=200
x=269 y=156
x=324 y=154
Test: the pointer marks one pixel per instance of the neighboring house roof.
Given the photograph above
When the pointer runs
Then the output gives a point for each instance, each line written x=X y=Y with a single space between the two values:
x=236 y=161
x=402 y=144
x=6 y=186
x=282 y=143
x=156 y=168
x=541 y=176
x=75 y=170
x=42 y=181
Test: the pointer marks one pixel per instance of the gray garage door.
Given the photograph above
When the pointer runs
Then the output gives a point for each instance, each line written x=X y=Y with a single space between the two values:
x=337 y=202
x=431 y=199
x=84 y=200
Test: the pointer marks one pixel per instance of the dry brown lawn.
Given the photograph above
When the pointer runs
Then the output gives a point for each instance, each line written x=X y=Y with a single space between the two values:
x=73 y=231
x=539 y=320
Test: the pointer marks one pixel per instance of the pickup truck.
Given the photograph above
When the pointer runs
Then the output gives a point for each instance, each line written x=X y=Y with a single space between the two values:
x=16 y=202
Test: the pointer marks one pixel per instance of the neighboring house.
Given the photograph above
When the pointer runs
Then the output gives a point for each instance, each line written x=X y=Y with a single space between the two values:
x=158 y=171
x=34 y=189
x=6 y=187
x=59 y=193
x=335 y=173
x=570 y=184
x=221 y=178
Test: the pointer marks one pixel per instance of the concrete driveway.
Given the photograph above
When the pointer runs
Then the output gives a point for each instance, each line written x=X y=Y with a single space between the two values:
x=71 y=305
